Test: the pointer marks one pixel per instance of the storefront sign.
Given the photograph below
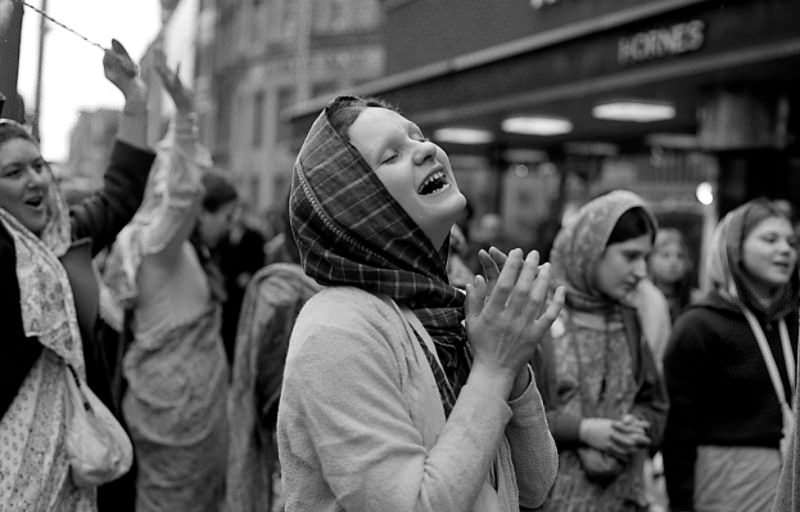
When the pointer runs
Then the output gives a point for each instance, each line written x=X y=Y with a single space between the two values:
x=662 y=42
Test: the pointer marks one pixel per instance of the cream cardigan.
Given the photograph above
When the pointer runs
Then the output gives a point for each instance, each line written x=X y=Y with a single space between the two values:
x=361 y=426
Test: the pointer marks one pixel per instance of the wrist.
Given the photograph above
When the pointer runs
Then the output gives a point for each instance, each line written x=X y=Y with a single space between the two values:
x=134 y=92
x=494 y=379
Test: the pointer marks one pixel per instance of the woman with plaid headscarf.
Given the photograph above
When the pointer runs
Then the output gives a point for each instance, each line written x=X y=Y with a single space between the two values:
x=389 y=402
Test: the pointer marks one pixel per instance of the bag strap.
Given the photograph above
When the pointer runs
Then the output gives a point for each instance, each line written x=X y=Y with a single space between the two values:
x=769 y=360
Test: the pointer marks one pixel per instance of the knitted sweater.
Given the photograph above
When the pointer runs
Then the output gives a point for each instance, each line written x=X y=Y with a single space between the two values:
x=361 y=425
x=719 y=389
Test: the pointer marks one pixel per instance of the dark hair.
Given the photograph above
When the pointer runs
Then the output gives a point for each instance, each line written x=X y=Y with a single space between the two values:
x=632 y=224
x=10 y=129
x=219 y=191
x=342 y=111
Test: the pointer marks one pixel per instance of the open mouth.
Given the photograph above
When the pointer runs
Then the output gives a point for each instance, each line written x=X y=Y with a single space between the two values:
x=433 y=183
x=35 y=201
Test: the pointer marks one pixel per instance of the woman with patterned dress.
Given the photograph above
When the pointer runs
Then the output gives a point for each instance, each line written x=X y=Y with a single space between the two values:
x=49 y=297
x=606 y=402
x=175 y=366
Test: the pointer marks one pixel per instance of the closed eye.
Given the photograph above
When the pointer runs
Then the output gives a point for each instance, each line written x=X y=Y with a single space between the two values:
x=389 y=157
x=12 y=171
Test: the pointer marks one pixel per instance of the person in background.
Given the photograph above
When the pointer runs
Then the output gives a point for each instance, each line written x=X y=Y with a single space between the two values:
x=174 y=367
x=383 y=407
x=605 y=398
x=49 y=297
x=669 y=267
x=273 y=300
x=240 y=255
x=730 y=366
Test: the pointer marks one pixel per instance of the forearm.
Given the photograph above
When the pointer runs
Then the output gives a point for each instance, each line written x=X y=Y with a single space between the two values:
x=533 y=449
x=457 y=466
x=133 y=121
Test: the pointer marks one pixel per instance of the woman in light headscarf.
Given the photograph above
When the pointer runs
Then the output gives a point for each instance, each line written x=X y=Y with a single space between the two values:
x=729 y=368
x=606 y=403
x=49 y=297
x=175 y=366
x=389 y=401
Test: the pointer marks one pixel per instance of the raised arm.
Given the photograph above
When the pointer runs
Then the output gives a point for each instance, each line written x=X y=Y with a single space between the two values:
x=103 y=215
x=176 y=188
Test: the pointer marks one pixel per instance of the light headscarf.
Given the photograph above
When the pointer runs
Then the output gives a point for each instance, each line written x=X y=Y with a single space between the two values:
x=580 y=245
x=47 y=306
x=725 y=266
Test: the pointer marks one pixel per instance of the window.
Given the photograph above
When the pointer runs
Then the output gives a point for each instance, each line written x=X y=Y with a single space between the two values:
x=283 y=128
x=258 y=119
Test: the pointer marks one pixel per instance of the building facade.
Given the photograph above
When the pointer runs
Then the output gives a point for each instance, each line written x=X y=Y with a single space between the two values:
x=266 y=55
x=692 y=103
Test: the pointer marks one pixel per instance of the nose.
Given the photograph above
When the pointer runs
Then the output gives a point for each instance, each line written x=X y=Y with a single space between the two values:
x=640 y=268
x=424 y=151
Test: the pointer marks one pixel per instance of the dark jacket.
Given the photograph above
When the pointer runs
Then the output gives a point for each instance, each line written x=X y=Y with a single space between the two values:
x=719 y=388
x=95 y=223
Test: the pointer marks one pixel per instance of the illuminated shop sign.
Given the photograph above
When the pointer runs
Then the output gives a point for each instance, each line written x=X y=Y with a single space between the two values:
x=662 y=42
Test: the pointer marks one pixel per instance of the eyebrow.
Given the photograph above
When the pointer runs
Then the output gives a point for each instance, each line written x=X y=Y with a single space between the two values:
x=409 y=125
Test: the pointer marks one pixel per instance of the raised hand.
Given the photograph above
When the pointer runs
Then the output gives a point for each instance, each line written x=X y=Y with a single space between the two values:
x=181 y=96
x=506 y=324
x=120 y=70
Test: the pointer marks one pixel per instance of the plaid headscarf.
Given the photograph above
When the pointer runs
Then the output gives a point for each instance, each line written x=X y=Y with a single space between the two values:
x=351 y=232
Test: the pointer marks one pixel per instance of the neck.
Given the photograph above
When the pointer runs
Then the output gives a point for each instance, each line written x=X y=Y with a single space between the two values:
x=763 y=293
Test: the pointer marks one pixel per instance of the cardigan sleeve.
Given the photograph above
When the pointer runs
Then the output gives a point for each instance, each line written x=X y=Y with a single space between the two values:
x=685 y=363
x=347 y=389
x=19 y=353
x=103 y=215
x=532 y=447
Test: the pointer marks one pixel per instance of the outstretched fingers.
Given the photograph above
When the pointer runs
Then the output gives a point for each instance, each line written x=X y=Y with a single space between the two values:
x=476 y=296
x=521 y=296
x=506 y=281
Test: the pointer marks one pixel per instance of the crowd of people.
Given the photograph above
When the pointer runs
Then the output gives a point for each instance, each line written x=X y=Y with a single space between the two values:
x=371 y=366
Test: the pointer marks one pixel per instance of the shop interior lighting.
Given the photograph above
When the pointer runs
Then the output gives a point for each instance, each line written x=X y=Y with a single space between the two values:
x=537 y=125
x=463 y=135
x=705 y=193
x=634 y=110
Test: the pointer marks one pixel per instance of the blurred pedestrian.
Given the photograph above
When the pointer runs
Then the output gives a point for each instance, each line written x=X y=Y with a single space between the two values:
x=669 y=267
x=49 y=298
x=240 y=255
x=383 y=407
x=606 y=401
x=175 y=367
x=730 y=368
x=271 y=304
